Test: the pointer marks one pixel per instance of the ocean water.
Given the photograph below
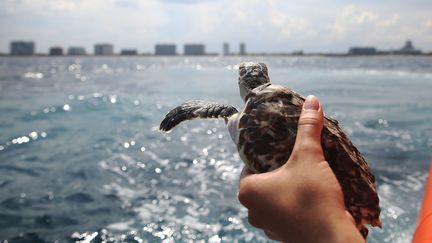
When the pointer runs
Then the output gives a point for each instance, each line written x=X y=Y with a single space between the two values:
x=81 y=157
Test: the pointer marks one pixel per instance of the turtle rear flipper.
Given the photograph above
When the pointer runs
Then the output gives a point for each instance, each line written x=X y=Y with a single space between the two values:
x=364 y=232
x=196 y=109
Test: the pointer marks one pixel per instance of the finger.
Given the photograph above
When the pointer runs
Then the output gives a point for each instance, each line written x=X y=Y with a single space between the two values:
x=246 y=192
x=272 y=236
x=308 y=140
x=245 y=172
x=311 y=120
x=255 y=220
x=350 y=217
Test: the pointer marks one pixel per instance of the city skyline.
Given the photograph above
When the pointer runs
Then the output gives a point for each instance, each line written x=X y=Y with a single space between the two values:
x=26 y=48
x=266 y=26
x=20 y=48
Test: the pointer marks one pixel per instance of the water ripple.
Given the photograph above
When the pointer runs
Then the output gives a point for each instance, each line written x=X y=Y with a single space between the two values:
x=82 y=160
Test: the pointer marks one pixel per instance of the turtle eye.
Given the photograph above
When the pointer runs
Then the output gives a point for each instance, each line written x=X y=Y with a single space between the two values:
x=242 y=71
x=249 y=68
x=263 y=66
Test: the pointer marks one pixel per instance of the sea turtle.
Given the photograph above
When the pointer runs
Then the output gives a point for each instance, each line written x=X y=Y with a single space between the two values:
x=265 y=132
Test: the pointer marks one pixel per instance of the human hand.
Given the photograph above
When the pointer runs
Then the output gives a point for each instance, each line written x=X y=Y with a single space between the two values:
x=301 y=201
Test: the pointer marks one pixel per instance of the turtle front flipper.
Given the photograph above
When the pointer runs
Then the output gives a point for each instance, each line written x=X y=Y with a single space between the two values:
x=196 y=109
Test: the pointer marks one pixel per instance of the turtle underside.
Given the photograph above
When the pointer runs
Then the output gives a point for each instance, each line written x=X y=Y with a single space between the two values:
x=267 y=130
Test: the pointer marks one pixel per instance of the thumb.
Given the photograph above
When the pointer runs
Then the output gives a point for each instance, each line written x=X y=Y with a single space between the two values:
x=310 y=124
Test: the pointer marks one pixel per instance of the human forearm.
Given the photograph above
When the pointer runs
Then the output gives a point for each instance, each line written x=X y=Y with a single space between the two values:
x=310 y=227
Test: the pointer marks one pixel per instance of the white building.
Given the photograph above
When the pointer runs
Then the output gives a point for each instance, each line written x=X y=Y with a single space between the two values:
x=194 y=49
x=242 y=49
x=76 y=51
x=103 y=49
x=165 y=49
x=22 y=48
x=225 y=49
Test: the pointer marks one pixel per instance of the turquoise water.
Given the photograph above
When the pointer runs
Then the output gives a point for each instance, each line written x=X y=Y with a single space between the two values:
x=81 y=157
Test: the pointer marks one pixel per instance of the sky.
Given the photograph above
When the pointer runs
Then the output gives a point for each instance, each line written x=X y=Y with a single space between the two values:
x=264 y=25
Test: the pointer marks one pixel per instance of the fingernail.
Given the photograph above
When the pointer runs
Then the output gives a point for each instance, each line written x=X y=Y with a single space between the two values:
x=311 y=103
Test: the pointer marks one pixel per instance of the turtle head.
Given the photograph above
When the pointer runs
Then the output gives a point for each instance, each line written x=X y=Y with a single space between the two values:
x=251 y=75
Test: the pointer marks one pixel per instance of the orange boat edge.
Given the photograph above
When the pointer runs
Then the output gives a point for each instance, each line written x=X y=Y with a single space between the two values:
x=423 y=232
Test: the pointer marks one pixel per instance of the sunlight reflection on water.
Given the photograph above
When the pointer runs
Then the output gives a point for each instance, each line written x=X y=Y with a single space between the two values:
x=92 y=165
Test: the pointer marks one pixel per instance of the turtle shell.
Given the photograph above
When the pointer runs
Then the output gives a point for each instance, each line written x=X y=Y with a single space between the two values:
x=267 y=130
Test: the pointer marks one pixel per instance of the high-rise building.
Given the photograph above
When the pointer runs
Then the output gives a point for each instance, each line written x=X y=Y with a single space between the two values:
x=76 y=51
x=165 y=49
x=242 y=49
x=56 y=51
x=225 y=49
x=103 y=49
x=194 y=49
x=129 y=52
x=22 y=48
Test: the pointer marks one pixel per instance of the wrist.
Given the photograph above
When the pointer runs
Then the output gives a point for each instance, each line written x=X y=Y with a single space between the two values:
x=339 y=228
x=334 y=228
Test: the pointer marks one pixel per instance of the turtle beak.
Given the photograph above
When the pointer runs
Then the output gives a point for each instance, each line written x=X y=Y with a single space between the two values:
x=254 y=74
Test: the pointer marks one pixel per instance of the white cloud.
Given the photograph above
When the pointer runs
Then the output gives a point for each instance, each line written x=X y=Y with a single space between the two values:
x=207 y=18
x=273 y=25
x=82 y=22
x=40 y=7
x=389 y=22
x=289 y=27
x=386 y=29
x=351 y=20
x=358 y=16
x=244 y=20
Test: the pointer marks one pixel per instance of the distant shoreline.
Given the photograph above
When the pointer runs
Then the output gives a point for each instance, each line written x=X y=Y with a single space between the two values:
x=218 y=55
